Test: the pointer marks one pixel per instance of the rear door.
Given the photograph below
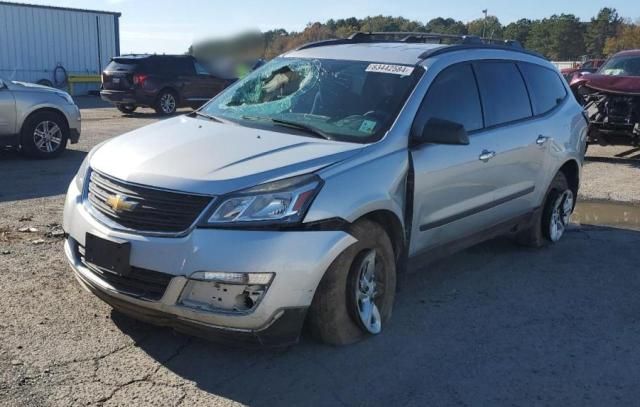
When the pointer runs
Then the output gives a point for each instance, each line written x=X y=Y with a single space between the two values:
x=516 y=139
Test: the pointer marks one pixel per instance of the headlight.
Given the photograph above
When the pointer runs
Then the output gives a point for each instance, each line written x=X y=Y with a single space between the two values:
x=82 y=173
x=279 y=202
x=66 y=97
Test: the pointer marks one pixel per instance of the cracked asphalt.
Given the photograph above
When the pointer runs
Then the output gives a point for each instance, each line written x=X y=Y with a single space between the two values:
x=495 y=325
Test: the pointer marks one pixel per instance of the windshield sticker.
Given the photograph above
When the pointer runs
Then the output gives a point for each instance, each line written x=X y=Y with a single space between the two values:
x=393 y=69
x=367 y=126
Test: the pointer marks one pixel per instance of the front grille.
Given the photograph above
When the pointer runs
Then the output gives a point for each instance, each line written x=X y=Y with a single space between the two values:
x=139 y=282
x=155 y=210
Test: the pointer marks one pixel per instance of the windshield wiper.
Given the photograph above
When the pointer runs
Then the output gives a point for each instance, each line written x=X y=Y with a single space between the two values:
x=207 y=116
x=313 y=131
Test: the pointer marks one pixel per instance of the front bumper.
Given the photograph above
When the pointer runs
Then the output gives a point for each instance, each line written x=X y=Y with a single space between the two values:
x=74 y=118
x=297 y=258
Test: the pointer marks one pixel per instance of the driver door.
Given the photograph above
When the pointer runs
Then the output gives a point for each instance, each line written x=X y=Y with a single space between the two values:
x=451 y=183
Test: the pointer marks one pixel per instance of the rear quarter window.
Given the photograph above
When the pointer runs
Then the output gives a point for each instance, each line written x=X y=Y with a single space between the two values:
x=503 y=92
x=545 y=87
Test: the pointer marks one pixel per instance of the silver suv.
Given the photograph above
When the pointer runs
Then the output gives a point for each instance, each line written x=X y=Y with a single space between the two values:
x=298 y=194
x=38 y=119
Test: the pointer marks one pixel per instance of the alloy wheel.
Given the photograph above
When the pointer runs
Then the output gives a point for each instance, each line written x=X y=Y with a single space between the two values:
x=168 y=103
x=560 y=214
x=367 y=290
x=47 y=136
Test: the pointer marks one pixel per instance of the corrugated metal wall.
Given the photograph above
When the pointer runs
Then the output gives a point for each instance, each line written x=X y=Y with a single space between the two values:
x=34 y=40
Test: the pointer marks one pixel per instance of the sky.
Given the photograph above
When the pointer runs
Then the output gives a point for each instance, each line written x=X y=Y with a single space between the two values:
x=169 y=26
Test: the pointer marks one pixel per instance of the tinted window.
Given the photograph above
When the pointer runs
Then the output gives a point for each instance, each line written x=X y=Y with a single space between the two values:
x=504 y=95
x=173 y=66
x=122 y=65
x=453 y=96
x=201 y=70
x=545 y=87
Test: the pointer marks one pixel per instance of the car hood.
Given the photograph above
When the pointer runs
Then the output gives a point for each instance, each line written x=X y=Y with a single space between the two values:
x=629 y=85
x=569 y=70
x=201 y=156
x=32 y=87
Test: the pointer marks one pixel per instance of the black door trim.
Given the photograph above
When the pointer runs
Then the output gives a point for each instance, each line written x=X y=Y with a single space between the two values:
x=477 y=209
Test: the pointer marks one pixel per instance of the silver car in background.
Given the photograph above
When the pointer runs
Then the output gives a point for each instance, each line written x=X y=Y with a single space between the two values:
x=37 y=119
x=298 y=193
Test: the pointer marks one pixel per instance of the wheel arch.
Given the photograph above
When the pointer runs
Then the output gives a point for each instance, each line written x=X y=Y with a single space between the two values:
x=171 y=89
x=392 y=225
x=46 y=109
x=571 y=170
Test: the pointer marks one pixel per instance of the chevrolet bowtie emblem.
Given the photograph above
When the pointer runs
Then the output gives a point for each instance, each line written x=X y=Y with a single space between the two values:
x=120 y=204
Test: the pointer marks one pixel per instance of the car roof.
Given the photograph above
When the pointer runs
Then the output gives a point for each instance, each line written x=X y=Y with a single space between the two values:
x=402 y=48
x=144 y=56
x=628 y=52
x=384 y=52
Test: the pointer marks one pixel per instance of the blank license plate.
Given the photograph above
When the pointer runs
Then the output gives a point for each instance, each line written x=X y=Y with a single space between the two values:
x=106 y=254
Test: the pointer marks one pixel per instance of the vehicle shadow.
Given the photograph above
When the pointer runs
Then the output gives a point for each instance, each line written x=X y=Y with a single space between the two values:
x=632 y=161
x=25 y=178
x=493 y=325
x=91 y=102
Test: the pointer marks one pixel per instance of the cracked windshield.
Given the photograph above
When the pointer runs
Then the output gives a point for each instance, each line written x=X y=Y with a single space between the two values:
x=338 y=100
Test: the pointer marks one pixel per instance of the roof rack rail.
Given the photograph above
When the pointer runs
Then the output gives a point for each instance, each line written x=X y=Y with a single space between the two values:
x=417 y=37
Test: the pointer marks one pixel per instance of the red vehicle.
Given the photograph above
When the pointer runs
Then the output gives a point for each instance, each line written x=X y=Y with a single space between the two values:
x=611 y=99
x=588 y=66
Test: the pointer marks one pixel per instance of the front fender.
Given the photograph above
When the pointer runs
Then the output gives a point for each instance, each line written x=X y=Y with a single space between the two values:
x=365 y=184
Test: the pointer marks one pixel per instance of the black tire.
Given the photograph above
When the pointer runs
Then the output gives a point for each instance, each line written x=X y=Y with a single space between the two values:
x=161 y=107
x=126 y=109
x=33 y=145
x=333 y=317
x=540 y=231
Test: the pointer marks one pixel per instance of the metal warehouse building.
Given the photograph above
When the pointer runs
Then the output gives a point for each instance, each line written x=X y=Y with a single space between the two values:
x=65 y=47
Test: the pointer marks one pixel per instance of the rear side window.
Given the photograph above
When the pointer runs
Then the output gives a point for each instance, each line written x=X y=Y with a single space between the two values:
x=453 y=96
x=545 y=87
x=173 y=66
x=504 y=94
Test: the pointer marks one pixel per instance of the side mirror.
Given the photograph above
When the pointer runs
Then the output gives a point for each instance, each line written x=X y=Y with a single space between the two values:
x=2 y=85
x=440 y=131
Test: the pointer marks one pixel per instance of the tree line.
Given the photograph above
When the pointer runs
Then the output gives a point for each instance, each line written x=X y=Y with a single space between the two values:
x=558 y=37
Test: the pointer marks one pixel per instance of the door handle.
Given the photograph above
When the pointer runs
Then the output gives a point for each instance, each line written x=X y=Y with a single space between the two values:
x=541 y=140
x=486 y=155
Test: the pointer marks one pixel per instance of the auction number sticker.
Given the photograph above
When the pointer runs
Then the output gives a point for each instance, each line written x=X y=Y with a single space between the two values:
x=387 y=68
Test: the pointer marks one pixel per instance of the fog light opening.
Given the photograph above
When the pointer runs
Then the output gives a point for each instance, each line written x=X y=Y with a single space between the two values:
x=214 y=295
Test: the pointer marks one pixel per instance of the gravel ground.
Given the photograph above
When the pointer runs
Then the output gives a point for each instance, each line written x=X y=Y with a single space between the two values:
x=612 y=173
x=496 y=325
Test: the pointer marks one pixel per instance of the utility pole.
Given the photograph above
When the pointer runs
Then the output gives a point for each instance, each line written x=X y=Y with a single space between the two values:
x=484 y=23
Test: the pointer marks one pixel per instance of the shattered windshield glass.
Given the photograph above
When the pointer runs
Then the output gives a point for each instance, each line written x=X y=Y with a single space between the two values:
x=622 y=66
x=340 y=100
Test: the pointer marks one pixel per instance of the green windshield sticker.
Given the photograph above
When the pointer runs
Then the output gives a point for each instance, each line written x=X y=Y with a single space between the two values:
x=367 y=126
